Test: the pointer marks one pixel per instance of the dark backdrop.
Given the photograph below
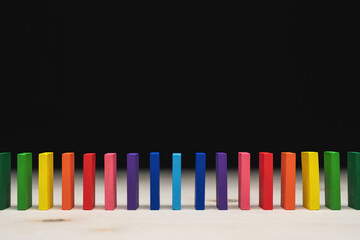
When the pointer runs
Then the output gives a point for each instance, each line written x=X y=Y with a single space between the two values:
x=95 y=77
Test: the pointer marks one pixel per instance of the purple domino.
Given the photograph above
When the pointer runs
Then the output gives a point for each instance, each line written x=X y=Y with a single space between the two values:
x=132 y=181
x=221 y=181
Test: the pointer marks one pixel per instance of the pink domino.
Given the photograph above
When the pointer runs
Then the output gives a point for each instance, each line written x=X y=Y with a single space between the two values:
x=244 y=180
x=110 y=181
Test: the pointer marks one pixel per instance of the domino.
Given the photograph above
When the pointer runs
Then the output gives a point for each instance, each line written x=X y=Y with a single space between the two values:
x=310 y=175
x=353 y=169
x=266 y=180
x=5 y=180
x=132 y=181
x=110 y=170
x=176 y=181
x=200 y=165
x=46 y=180
x=24 y=181
x=67 y=187
x=332 y=180
x=154 y=181
x=221 y=181
x=244 y=180
x=89 y=165
x=288 y=180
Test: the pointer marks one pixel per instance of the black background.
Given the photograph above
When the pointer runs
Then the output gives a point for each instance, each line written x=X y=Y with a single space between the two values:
x=96 y=77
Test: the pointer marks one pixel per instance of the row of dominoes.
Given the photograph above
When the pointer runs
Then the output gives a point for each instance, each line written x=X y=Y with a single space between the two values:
x=310 y=179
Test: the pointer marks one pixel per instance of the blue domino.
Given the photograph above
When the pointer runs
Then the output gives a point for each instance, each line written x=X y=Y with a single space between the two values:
x=200 y=163
x=154 y=181
x=176 y=181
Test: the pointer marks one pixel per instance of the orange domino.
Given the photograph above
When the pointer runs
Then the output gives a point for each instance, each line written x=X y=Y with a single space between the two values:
x=67 y=181
x=288 y=179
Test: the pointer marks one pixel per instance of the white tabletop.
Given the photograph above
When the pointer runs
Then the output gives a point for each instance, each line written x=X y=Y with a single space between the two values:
x=185 y=224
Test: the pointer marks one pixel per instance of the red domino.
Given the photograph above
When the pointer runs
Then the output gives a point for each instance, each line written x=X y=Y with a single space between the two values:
x=266 y=180
x=89 y=181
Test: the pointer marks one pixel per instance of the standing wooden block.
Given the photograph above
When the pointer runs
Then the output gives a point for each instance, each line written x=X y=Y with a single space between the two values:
x=110 y=170
x=176 y=181
x=288 y=180
x=5 y=180
x=353 y=169
x=310 y=175
x=200 y=165
x=266 y=180
x=332 y=180
x=46 y=180
x=154 y=181
x=89 y=166
x=132 y=181
x=221 y=181
x=244 y=180
x=24 y=181
x=67 y=173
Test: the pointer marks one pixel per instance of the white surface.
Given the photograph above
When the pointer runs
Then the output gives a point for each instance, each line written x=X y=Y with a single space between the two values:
x=185 y=224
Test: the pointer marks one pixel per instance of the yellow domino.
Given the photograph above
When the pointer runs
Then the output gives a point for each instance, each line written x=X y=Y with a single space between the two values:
x=310 y=175
x=46 y=180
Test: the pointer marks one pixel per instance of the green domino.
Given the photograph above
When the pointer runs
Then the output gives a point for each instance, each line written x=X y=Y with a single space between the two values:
x=332 y=180
x=5 y=179
x=24 y=181
x=353 y=168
